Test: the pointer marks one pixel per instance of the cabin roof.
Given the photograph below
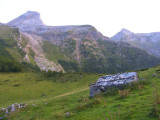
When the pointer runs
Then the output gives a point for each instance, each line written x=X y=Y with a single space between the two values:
x=109 y=78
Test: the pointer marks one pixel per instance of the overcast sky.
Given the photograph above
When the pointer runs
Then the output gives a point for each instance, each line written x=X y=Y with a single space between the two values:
x=108 y=16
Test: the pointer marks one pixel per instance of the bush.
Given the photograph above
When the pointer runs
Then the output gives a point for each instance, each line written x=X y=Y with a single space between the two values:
x=155 y=111
x=87 y=104
x=69 y=66
x=123 y=93
x=16 y=85
x=51 y=73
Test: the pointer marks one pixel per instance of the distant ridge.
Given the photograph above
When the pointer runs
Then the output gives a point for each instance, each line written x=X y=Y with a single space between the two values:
x=146 y=41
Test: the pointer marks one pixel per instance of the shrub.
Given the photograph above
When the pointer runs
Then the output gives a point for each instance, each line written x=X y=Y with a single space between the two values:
x=49 y=73
x=143 y=69
x=123 y=93
x=88 y=104
x=155 y=111
x=16 y=85
x=83 y=99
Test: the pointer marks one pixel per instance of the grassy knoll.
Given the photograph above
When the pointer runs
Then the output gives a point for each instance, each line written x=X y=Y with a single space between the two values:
x=138 y=103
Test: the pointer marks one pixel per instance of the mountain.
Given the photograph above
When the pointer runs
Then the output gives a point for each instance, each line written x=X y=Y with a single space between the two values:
x=76 y=48
x=145 y=41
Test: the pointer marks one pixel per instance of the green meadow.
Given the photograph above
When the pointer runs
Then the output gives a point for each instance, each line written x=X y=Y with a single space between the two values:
x=66 y=97
x=30 y=86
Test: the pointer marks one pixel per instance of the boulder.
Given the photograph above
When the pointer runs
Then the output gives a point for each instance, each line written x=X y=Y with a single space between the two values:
x=107 y=81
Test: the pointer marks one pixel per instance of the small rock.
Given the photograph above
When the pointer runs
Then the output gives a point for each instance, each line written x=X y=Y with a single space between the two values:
x=154 y=75
x=6 y=112
x=18 y=106
x=21 y=105
x=67 y=114
x=13 y=108
x=2 y=109
x=43 y=95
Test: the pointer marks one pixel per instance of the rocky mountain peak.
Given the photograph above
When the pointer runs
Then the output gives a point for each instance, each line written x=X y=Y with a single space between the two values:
x=28 y=20
x=34 y=13
x=125 y=31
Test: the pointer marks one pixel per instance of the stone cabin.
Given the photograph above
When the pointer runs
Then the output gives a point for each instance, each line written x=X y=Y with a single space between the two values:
x=112 y=80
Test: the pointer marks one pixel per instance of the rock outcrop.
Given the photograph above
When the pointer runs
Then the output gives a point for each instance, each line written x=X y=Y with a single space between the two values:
x=107 y=81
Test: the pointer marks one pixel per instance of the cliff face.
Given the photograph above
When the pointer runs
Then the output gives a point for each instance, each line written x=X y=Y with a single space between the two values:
x=73 y=48
x=145 y=41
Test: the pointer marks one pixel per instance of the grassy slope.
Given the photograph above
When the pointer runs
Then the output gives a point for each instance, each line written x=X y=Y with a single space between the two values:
x=52 y=52
x=136 y=106
x=7 y=35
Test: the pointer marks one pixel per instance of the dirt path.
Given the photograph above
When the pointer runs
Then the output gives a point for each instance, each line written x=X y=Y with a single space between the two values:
x=65 y=94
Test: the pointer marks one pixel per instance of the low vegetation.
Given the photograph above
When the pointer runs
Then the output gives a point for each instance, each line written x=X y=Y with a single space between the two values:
x=66 y=97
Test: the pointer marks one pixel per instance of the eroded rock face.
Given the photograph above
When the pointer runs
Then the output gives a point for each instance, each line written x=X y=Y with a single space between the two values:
x=112 y=80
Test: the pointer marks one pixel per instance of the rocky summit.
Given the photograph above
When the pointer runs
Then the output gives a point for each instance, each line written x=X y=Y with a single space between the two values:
x=27 y=21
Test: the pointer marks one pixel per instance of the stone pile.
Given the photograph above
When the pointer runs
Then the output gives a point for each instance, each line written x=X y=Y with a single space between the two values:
x=10 y=109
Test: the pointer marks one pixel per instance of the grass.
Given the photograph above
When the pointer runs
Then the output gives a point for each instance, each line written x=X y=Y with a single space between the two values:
x=69 y=99
x=8 y=38
x=52 y=52
x=23 y=87
x=15 y=53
